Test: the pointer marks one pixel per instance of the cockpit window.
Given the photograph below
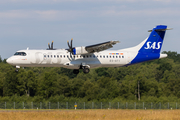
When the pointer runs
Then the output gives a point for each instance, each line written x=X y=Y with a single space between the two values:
x=20 y=53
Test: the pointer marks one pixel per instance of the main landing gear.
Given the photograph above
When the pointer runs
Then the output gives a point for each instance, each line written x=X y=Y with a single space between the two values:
x=76 y=71
x=85 y=70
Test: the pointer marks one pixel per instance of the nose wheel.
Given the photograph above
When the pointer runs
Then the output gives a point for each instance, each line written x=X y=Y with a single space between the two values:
x=16 y=70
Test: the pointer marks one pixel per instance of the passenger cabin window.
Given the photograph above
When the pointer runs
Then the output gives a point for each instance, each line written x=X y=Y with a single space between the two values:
x=20 y=53
x=57 y=56
x=94 y=56
x=122 y=56
x=54 y=56
x=103 y=56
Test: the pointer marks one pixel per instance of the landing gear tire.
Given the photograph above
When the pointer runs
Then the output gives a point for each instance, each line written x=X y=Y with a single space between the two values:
x=16 y=70
x=86 y=70
x=76 y=71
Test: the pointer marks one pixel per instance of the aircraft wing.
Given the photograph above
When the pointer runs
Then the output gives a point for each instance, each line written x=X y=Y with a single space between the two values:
x=101 y=46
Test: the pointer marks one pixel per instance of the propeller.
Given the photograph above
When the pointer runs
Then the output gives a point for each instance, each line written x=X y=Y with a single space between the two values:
x=50 y=47
x=70 y=46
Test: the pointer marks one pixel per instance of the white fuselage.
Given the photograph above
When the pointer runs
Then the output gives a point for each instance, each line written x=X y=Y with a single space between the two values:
x=149 y=49
x=63 y=58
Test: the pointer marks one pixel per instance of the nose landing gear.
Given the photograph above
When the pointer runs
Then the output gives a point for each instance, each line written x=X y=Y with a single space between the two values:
x=16 y=70
x=17 y=67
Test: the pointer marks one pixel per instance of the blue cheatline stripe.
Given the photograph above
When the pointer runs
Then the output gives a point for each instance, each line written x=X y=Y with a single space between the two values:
x=141 y=57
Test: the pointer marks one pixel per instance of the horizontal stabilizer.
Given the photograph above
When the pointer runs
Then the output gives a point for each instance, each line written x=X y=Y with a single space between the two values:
x=160 y=29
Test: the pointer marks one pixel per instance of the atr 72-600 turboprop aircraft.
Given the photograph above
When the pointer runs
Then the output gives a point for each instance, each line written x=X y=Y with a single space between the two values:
x=93 y=56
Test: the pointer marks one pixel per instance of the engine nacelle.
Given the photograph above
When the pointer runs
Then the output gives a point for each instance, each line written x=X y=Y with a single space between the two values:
x=79 y=51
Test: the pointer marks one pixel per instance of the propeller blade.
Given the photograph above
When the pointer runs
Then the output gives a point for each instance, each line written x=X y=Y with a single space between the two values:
x=68 y=45
x=52 y=45
x=71 y=42
x=49 y=46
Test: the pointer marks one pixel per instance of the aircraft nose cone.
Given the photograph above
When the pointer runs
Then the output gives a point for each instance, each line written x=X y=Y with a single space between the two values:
x=9 y=61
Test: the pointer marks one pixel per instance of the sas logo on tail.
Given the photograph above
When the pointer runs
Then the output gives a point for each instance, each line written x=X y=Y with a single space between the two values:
x=153 y=45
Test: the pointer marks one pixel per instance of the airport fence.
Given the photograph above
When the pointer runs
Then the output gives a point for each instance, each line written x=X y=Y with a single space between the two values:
x=88 y=105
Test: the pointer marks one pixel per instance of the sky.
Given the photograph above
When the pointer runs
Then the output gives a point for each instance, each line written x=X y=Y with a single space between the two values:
x=35 y=23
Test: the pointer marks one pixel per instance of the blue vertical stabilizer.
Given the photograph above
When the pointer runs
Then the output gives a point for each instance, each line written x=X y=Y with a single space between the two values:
x=151 y=48
x=155 y=40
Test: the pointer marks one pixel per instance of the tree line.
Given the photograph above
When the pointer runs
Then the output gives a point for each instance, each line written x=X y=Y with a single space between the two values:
x=153 y=81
